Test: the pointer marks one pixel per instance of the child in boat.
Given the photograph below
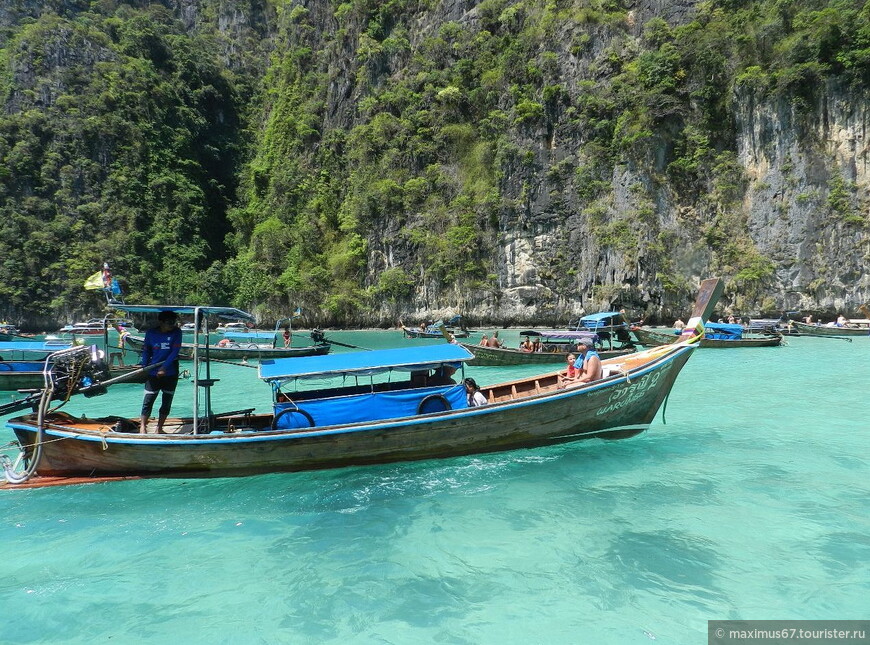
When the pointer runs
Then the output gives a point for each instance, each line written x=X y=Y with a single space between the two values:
x=571 y=373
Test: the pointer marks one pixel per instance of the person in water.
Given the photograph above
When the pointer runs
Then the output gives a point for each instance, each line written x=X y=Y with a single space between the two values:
x=160 y=350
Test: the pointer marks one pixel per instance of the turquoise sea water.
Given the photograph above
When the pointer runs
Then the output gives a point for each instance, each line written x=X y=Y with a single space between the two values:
x=752 y=501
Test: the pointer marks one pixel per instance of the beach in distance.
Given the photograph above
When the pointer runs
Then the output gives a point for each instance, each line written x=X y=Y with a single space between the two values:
x=748 y=498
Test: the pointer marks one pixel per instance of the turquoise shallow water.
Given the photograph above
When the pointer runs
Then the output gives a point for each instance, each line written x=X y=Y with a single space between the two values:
x=752 y=501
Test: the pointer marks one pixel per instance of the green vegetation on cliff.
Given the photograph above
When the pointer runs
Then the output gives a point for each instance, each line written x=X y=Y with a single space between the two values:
x=339 y=156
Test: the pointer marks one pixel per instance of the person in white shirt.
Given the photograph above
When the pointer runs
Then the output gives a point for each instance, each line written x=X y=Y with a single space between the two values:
x=472 y=391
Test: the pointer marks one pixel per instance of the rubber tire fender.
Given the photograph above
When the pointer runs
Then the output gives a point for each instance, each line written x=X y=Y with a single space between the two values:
x=434 y=397
x=286 y=410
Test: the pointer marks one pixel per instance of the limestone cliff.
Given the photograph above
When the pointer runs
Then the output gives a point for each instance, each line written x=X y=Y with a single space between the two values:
x=514 y=161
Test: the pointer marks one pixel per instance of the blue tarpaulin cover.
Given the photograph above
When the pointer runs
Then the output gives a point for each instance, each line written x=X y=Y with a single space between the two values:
x=405 y=359
x=722 y=331
x=21 y=366
x=34 y=346
x=371 y=406
x=230 y=313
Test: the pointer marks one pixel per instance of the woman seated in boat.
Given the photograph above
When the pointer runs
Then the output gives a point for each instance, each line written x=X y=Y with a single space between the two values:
x=224 y=342
x=472 y=391
x=537 y=346
x=484 y=341
x=841 y=320
x=526 y=345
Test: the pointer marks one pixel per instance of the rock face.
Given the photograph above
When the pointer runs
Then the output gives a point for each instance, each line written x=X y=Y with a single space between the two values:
x=807 y=200
x=553 y=251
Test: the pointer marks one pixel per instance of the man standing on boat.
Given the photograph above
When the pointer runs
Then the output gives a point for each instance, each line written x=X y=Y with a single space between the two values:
x=161 y=348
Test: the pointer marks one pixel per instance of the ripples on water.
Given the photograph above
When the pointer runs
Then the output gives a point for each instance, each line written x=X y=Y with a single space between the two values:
x=752 y=502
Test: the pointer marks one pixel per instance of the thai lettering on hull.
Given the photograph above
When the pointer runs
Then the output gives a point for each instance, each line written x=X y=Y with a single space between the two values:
x=624 y=396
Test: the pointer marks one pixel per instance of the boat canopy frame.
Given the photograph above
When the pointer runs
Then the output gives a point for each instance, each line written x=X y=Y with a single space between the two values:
x=400 y=359
x=201 y=314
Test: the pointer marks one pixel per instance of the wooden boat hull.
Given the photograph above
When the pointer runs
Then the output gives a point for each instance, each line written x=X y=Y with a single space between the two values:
x=11 y=338
x=654 y=338
x=495 y=356
x=28 y=375
x=416 y=333
x=521 y=414
x=243 y=352
x=821 y=330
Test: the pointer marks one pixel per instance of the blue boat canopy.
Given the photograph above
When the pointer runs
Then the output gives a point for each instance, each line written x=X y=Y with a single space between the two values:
x=228 y=313
x=723 y=331
x=601 y=319
x=403 y=359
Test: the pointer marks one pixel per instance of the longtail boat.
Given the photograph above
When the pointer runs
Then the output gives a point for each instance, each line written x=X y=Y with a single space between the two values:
x=854 y=327
x=237 y=349
x=438 y=329
x=717 y=335
x=492 y=356
x=28 y=375
x=608 y=329
x=410 y=409
x=11 y=333
x=31 y=349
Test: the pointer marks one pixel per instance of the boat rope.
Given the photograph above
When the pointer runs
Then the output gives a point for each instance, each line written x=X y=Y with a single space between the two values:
x=219 y=360
x=9 y=469
x=48 y=394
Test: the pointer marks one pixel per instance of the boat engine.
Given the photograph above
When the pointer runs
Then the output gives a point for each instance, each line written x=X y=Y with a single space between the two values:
x=79 y=369
x=318 y=336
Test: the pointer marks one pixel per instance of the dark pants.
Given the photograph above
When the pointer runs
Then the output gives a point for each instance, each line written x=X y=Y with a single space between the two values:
x=155 y=385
